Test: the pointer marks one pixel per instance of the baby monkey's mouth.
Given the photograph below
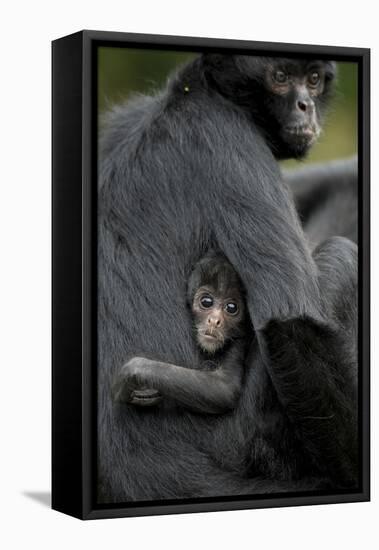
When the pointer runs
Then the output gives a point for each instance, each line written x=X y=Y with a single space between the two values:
x=210 y=340
x=212 y=335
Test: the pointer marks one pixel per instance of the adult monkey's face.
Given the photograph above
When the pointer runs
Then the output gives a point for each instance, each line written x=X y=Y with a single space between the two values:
x=286 y=98
x=296 y=90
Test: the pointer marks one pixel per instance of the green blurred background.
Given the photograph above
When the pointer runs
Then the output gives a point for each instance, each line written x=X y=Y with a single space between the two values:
x=125 y=71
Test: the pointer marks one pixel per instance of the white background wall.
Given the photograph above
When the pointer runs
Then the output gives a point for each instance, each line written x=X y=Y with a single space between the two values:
x=26 y=31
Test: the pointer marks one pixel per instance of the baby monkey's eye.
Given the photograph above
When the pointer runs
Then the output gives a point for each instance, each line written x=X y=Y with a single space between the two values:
x=280 y=77
x=231 y=308
x=206 y=301
x=314 y=78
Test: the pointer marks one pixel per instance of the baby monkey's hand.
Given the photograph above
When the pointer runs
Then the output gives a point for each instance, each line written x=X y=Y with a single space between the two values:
x=129 y=385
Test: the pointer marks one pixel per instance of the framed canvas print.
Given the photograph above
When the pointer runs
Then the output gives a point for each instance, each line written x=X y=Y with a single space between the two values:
x=210 y=274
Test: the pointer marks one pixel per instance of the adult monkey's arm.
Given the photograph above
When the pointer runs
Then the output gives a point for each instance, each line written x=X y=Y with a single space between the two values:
x=313 y=365
x=326 y=198
x=301 y=309
x=259 y=232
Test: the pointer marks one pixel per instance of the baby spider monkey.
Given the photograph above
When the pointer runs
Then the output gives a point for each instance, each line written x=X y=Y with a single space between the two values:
x=216 y=298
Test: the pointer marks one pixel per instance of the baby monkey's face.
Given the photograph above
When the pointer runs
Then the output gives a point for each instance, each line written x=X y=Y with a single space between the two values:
x=219 y=316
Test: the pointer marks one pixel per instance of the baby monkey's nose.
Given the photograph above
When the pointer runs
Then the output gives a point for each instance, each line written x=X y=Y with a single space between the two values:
x=214 y=320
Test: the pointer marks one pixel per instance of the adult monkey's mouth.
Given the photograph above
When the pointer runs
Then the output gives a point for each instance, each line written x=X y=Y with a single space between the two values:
x=303 y=132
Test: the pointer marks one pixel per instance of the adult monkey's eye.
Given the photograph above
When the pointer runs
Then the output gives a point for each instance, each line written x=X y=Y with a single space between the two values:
x=314 y=78
x=231 y=308
x=206 y=301
x=280 y=77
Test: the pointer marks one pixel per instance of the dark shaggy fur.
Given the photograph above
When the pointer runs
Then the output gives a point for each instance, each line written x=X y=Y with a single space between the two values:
x=326 y=198
x=181 y=173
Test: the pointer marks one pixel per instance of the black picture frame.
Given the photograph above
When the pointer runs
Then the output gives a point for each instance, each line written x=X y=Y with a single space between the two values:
x=74 y=204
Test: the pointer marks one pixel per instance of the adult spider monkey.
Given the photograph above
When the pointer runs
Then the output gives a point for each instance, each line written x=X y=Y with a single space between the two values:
x=184 y=171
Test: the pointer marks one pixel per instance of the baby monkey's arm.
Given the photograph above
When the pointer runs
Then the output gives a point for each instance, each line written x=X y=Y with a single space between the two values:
x=211 y=391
